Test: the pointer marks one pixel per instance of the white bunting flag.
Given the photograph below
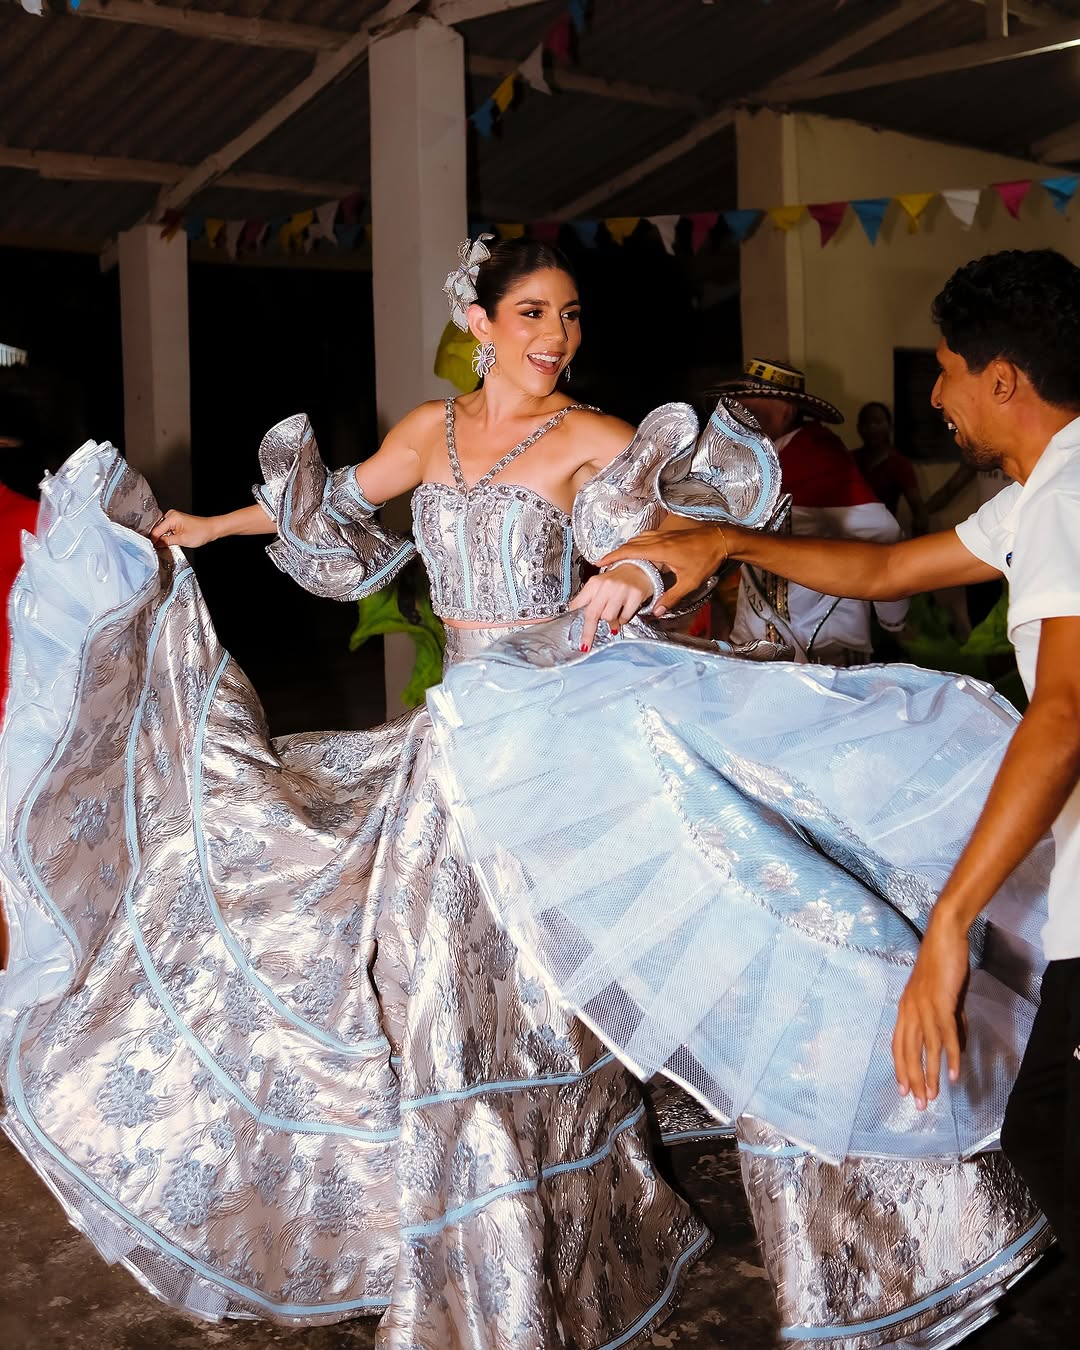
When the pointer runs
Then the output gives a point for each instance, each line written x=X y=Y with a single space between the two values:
x=532 y=70
x=322 y=227
x=963 y=203
x=665 y=226
x=233 y=230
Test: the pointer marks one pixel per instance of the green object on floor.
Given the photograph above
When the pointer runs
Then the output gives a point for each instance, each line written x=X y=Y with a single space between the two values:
x=381 y=614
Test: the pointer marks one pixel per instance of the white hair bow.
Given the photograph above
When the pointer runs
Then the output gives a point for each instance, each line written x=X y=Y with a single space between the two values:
x=460 y=288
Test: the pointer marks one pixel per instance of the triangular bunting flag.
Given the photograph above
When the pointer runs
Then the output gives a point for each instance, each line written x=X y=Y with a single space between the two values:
x=557 y=38
x=233 y=230
x=871 y=213
x=547 y=231
x=350 y=207
x=665 y=227
x=577 y=14
x=702 y=224
x=829 y=216
x=532 y=70
x=509 y=230
x=1061 y=190
x=963 y=203
x=347 y=235
x=742 y=222
x=1013 y=194
x=483 y=119
x=622 y=227
x=251 y=235
x=170 y=223
x=786 y=217
x=323 y=225
x=915 y=203
x=213 y=231
x=585 y=231
x=291 y=233
x=194 y=228
x=504 y=94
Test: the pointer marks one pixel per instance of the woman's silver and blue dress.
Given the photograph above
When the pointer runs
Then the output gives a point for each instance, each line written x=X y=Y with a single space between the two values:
x=337 y=1024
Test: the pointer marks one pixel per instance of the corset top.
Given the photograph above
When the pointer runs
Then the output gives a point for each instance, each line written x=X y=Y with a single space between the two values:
x=494 y=552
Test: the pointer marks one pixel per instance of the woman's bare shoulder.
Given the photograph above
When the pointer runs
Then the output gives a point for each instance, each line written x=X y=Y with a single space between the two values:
x=602 y=435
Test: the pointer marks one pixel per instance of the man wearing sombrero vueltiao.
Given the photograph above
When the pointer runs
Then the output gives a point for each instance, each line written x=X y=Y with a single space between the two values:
x=829 y=498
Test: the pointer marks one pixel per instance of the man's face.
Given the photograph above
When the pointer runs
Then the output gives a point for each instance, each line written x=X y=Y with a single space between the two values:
x=775 y=416
x=967 y=402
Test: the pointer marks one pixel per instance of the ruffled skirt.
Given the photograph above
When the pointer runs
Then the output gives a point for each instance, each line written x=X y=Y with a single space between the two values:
x=262 y=1036
x=290 y=1026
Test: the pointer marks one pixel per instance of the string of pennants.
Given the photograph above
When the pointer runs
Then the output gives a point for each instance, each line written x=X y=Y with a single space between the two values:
x=556 y=43
x=337 y=224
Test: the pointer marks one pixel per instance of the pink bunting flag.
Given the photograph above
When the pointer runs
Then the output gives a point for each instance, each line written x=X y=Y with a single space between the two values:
x=829 y=216
x=702 y=224
x=557 y=38
x=1013 y=194
x=547 y=231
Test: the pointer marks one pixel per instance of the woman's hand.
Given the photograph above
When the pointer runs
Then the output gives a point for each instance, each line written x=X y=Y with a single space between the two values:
x=614 y=596
x=177 y=527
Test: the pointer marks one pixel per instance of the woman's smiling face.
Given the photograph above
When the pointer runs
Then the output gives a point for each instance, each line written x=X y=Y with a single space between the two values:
x=536 y=329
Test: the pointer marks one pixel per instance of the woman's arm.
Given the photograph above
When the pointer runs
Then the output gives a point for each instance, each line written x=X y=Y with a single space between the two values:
x=392 y=470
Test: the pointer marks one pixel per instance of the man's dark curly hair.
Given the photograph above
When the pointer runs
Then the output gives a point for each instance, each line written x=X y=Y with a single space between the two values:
x=1021 y=306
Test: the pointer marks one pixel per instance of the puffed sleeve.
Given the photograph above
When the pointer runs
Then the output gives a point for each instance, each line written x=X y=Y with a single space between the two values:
x=727 y=474
x=328 y=539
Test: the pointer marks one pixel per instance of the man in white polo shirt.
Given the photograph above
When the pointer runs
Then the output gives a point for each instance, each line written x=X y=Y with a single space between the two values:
x=1009 y=388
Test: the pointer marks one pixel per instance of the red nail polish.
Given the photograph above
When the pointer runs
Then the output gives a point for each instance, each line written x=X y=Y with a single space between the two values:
x=614 y=632
x=584 y=646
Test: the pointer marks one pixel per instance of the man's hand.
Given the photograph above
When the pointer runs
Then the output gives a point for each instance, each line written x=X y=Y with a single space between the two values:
x=930 y=1018
x=614 y=596
x=692 y=555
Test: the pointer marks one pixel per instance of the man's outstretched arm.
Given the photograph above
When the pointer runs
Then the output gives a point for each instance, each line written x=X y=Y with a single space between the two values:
x=844 y=567
x=1040 y=770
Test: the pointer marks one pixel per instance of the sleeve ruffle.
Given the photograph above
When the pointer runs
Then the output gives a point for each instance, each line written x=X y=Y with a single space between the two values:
x=727 y=474
x=327 y=537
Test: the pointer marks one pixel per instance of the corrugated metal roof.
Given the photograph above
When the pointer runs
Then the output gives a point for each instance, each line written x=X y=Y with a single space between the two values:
x=80 y=85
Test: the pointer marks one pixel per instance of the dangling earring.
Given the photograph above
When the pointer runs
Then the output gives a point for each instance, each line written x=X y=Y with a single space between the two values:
x=483 y=358
x=566 y=374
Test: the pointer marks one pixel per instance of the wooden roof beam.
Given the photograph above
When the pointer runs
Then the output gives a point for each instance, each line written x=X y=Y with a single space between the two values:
x=1060 y=147
x=1035 y=16
x=905 y=13
x=287 y=36
x=330 y=66
x=112 y=169
x=953 y=60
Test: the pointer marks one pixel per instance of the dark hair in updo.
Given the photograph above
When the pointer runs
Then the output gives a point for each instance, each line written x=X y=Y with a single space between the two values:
x=511 y=261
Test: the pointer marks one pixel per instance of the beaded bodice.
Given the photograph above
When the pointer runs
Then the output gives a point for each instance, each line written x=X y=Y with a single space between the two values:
x=494 y=552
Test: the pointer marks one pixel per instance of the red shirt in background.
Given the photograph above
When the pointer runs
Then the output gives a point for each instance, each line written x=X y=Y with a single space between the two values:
x=17 y=513
x=891 y=478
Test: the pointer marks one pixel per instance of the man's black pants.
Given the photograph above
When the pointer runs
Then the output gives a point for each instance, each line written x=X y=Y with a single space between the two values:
x=1041 y=1133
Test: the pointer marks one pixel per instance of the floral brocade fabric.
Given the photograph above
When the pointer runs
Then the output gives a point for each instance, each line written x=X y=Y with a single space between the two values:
x=263 y=1036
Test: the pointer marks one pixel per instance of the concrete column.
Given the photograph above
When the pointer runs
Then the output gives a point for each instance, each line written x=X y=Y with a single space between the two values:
x=418 y=218
x=157 y=372
x=771 y=263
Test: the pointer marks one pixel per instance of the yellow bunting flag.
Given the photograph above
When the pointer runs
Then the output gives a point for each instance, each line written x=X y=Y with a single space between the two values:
x=507 y=230
x=786 y=217
x=213 y=229
x=292 y=232
x=621 y=227
x=367 y=232
x=504 y=94
x=915 y=203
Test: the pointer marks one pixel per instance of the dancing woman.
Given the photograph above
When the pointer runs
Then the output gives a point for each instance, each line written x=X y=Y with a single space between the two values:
x=262 y=1032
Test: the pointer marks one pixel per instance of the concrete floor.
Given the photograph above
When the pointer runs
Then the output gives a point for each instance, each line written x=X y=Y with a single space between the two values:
x=58 y=1294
